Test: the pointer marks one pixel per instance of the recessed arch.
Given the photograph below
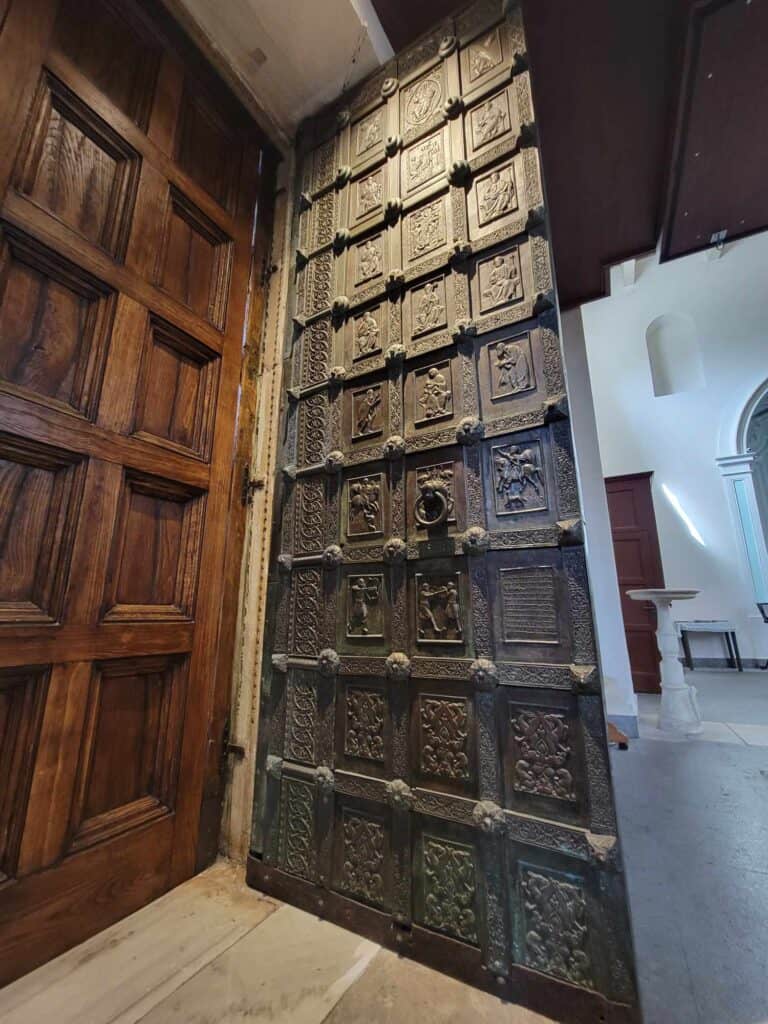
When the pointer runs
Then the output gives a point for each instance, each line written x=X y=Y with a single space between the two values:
x=674 y=354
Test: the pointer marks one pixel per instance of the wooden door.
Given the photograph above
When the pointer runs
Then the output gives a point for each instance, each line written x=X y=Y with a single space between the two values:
x=638 y=565
x=128 y=180
x=434 y=767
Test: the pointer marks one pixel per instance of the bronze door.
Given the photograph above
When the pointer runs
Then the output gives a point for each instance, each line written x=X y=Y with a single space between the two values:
x=434 y=768
x=129 y=178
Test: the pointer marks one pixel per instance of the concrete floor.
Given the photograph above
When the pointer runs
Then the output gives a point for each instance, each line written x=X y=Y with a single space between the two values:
x=694 y=826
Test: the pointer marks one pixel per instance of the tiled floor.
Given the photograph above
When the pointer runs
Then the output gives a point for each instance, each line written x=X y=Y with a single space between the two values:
x=694 y=827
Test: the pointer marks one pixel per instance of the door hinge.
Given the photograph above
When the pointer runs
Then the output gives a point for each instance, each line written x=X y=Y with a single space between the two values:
x=228 y=747
x=250 y=484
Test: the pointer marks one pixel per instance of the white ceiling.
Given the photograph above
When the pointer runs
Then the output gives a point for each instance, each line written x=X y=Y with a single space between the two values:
x=289 y=57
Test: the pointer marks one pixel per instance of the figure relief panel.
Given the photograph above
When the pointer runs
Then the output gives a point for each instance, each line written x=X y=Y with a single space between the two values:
x=424 y=163
x=368 y=262
x=368 y=196
x=440 y=607
x=435 y=494
x=430 y=310
x=366 y=334
x=518 y=372
x=510 y=283
x=365 y=512
x=530 y=601
x=365 y=410
x=364 y=609
x=368 y=135
x=431 y=400
x=421 y=103
x=426 y=231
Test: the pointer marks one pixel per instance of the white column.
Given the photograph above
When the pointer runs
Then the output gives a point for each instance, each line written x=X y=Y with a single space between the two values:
x=620 y=698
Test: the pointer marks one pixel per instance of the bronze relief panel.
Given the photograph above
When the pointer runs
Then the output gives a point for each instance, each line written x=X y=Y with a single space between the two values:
x=430 y=312
x=447 y=877
x=424 y=164
x=440 y=607
x=435 y=494
x=443 y=738
x=362 y=858
x=365 y=413
x=510 y=283
x=363 y=732
x=520 y=483
x=366 y=337
x=421 y=103
x=433 y=397
x=368 y=136
x=365 y=514
x=502 y=196
x=365 y=609
x=426 y=235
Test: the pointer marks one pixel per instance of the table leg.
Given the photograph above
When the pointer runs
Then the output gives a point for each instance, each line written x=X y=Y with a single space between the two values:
x=736 y=652
x=731 y=658
x=686 y=649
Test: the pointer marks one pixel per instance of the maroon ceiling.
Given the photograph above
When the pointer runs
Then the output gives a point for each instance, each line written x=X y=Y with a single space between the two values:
x=607 y=76
x=719 y=179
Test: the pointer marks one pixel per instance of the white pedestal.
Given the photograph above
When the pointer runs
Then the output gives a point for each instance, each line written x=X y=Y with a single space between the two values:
x=679 y=707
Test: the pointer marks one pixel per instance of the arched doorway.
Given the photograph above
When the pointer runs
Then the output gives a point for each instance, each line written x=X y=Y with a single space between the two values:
x=756 y=442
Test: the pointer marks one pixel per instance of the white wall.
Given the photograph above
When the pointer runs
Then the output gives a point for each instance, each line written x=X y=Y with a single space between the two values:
x=679 y=436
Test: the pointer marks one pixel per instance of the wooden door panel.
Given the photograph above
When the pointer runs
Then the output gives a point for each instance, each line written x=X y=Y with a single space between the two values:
x=125 y=261
x=638 y=566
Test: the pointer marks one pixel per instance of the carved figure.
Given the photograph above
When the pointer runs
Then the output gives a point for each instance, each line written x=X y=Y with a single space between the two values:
x=517 y=473
x=496 y=194
x=369 y=132
x=423 y=99
x=369 y=259
x=368 y=195
x=430 y=311
x=368 y=404
x=503 y=282
x=426 y=229
x=425 y=161
x=364 y=505
x=513 y=366
x=435 y=396
x=362 y=593
x=366 y=334
x=490 y=121
x=439 y=611
x=480 y=57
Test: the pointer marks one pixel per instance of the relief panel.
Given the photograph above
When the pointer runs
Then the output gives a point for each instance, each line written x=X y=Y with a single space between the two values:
x=485 y=60
x=421 y=103
x=424 y=164
x=309 y=515
x=297 y=827
x=40 y=494
x=315 y=285
x=521 y=490
x=319 y=222
x=426 y=233
x=362 y=859
x=321 y=166
x=155 y=551
x=312 y=442
x=492 y=126
x=367 y=195
x=555 y=925
x=55 y=323
x=440 y=607
x=443 y=470
x=365 y=505
x=131 y=747
x=430 y=311
x=443 y=739
x=306 y=613
x=315 y=352
x=194 y=260
x=363 y=727
x=529 y=594
x=78 y=168
x=507 y=286
x=543 y=755
x=368 y=135
x=365 y=609
x=301 y=716
x=368 y=263
x=366 y=337
x=176 y=391
x=501 y=197
x=366 y=414
x=449 y=888
x=432 y=396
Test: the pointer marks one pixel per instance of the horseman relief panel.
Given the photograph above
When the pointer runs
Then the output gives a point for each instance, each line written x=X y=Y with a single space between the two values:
x=519 y=483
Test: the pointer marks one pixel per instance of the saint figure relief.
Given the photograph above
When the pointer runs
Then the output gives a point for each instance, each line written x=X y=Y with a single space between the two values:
x=369 y=259
x=503 y=283
x=430 y=311
x=364 y=505
x=366 y=334
x=514 y=368
x=481 y=58
x=424 y=161
x=367 y=406
x=363 y=592
x=496 y=195
x=368 y=133
x=435 y=396
x=369 y=194
x=490 y=120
